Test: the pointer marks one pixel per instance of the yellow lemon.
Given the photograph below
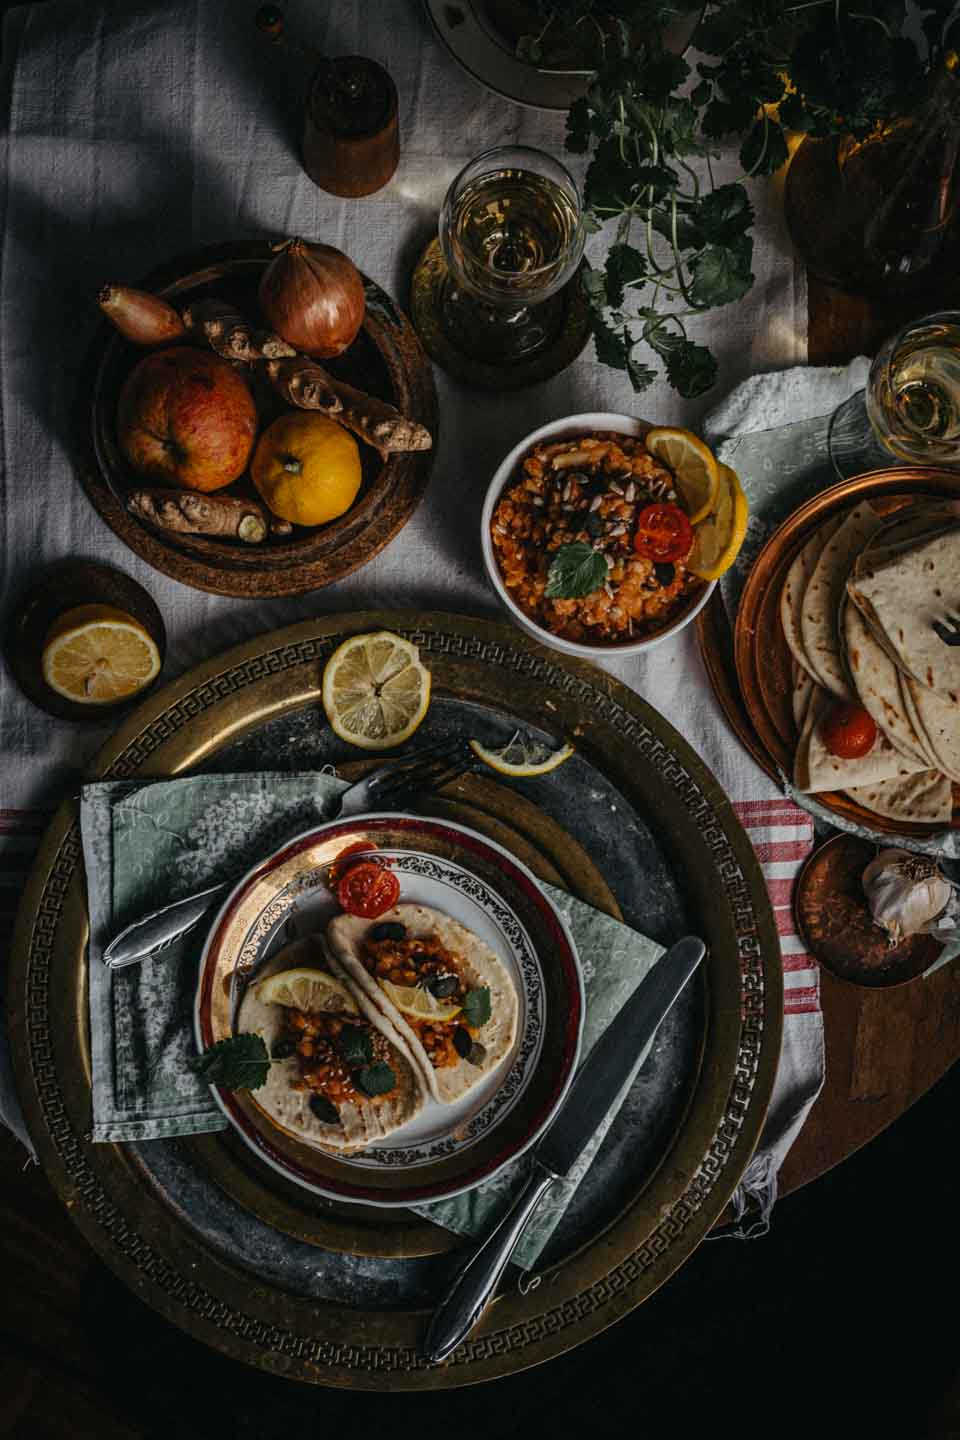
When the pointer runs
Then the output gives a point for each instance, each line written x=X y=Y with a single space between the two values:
x=696 y=473
x=718 y=538
x=417 y=1001
x=98 y=655
x=376 y=690
x=306 y=989
x=306 y=468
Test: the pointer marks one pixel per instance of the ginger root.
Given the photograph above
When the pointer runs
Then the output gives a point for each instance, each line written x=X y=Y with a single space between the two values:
x=188 y=512
x=308 y=386
x=228 y=331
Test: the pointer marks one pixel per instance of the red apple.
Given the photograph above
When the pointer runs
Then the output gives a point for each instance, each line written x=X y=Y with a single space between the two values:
x=186 y=417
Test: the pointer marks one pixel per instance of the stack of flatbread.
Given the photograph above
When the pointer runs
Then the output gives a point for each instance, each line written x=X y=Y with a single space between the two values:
x=858 y=608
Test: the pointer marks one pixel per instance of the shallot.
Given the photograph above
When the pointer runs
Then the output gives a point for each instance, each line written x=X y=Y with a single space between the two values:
x=313 y=296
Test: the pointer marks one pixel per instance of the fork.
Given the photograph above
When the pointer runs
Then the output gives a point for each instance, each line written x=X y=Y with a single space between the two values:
x=948 y=629
x=420 y=773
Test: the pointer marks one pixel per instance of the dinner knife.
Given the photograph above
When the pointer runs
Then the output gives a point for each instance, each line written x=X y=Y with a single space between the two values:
x=598 y=1084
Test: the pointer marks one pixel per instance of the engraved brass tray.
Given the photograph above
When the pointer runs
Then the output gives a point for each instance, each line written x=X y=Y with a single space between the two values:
x=641 y=771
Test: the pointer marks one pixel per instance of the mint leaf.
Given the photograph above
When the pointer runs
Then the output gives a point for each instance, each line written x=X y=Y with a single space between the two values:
x=691 y=369
x=575 y=570
x=376 y=1079
x=238 y=1063
x=625 y=266
x=765 y=148
x=641 y=378
x=721 y=274
x=476 y=1007
x=612 y=347
x=355 y=1045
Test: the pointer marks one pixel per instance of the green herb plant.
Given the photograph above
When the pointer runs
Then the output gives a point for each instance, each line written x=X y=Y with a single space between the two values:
x=681 y=245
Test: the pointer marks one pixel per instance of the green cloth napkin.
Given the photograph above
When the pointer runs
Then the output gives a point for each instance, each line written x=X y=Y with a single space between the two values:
x=147 y=844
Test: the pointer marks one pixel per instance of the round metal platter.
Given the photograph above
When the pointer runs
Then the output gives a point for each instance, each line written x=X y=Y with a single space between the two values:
x=446 y=1149
x=761 y=654
x=660 y=828
x=480 y=45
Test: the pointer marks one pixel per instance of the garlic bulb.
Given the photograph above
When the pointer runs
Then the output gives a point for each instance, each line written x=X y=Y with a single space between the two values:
x=906 y=893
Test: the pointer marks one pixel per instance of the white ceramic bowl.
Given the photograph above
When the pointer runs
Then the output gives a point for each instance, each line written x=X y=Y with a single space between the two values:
x=557 y=429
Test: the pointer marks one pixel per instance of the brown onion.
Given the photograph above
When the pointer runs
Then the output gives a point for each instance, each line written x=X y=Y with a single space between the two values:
x=313 y=297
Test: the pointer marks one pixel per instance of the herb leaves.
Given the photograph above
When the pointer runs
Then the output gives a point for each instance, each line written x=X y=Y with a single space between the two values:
x=575 y=570
x=238 y=1063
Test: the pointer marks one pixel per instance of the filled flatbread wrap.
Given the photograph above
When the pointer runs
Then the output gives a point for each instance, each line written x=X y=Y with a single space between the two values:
x=442 y=987
x=341 y=1077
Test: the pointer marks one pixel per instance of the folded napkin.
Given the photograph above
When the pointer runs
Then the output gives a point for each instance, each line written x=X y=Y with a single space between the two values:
x=145 y=845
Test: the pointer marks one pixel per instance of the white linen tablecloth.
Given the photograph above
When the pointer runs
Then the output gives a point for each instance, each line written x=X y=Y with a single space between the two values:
x=140 y=130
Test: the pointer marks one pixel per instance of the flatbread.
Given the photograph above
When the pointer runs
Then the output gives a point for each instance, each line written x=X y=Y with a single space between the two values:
x=926 y=796
x=875 y=679
x=794 y=587
x=901 y=599
x=804 y=689
x=479 y=967
x=938 y=721
x=361 y=1123
x=818 y=769
x=920 y=520
x=819 y=612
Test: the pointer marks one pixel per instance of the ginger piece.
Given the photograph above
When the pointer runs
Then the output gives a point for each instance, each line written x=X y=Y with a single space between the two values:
x=228 y=331
x=310 y=387
x=189 y=512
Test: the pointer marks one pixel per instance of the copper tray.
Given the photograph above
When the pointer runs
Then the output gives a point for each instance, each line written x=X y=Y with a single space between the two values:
x=386 y=359
x=750 y=665
x=167 y=1260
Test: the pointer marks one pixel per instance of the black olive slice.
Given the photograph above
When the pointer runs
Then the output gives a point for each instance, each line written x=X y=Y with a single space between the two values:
x=389 y=930
x=441 y=986
x=325 y=1109
x=462 y=1042
x=283 y=1049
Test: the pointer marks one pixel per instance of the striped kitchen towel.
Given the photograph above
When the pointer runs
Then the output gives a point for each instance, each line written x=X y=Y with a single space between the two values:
x=782 y=835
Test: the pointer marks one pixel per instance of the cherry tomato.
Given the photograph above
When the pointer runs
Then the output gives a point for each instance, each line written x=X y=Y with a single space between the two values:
x=663 y=533
x=343 y=862
x=849 y=732
x=368 y=890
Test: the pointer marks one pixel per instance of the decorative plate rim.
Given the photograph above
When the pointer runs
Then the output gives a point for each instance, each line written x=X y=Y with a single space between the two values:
x=354 y=1190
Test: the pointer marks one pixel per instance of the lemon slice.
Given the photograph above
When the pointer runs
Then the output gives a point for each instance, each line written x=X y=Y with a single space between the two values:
x=97 y=655
x=718 y=538
x=696 y=472
x=417 y=1001
x=375 y=690
x=522 y=757
x=306 y=989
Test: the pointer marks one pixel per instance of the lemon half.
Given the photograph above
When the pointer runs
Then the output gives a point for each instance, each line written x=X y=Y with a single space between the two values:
x=306 y=989
x=416 y=1000
x=376 y=691
x=718 y=538
x=696 y=472
x=97 y=655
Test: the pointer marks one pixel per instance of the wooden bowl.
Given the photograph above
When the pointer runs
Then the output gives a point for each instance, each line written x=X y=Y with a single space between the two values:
x=386 y=360
x=60 y=587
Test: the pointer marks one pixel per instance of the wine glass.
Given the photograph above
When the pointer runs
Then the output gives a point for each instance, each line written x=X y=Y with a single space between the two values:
x=512 y=235
x=910 y=408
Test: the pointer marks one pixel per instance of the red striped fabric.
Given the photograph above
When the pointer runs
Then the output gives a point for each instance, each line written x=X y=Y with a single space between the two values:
x=782 y=835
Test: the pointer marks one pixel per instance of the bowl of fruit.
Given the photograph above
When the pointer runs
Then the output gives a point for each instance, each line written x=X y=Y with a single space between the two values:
x=263 y=418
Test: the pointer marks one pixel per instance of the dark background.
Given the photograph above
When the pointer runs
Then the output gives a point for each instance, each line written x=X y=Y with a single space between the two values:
x=841 y=1321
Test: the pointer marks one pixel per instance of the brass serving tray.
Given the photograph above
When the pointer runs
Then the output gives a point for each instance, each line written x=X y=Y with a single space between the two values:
x=167 y=1261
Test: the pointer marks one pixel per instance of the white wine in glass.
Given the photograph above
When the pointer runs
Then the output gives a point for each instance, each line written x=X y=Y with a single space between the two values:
x=512 y=235
x=910 y=409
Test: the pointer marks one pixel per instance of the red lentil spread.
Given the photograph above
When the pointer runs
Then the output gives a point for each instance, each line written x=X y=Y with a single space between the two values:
x=423 y=961
x=322 y=1068
x=589 y=489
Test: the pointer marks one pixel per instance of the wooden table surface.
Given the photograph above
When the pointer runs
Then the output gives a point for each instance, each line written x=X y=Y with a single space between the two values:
x=884 y=1048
